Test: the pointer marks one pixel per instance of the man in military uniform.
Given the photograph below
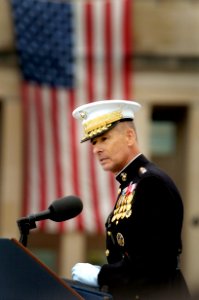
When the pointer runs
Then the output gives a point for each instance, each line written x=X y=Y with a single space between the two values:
x=143 y=232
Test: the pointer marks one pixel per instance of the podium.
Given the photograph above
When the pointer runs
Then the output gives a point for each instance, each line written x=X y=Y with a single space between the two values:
x=24 y=277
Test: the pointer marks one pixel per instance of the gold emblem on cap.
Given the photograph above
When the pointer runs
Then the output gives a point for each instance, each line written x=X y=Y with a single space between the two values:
x=123 y=175
x=120 y=239
x=83 y=114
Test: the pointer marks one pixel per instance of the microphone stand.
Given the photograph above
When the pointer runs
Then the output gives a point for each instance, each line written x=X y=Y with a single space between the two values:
x=25 y=224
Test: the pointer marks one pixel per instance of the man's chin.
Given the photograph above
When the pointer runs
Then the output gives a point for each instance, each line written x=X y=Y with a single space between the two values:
x=109 y=168
x=105 y=167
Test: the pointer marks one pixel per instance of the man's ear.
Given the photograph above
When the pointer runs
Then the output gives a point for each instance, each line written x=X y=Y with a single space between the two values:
x=131 y=136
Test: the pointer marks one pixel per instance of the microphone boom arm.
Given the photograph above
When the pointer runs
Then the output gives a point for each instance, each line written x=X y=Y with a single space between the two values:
x=25 y=224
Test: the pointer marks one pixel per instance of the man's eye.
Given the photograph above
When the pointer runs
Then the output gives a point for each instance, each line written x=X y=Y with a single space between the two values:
x=93 y=143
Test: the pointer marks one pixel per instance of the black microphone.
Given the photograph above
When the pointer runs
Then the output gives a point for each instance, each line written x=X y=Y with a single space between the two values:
x=60 y=210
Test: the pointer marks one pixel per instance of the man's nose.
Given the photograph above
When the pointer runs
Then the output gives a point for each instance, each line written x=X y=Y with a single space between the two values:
x=96 y=149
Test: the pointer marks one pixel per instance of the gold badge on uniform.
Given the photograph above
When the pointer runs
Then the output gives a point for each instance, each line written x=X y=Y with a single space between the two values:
x=128 y=213
x=142 y=170
x=83 y=115
x=120 y=239
x=123 y=176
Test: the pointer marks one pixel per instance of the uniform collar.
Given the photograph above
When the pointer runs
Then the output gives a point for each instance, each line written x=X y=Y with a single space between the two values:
x=132 y=169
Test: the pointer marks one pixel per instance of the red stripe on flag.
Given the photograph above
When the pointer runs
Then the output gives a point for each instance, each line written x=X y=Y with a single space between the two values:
x=89 y=22
x=127 y=48
x=56 y=142
x=41 y=148
x=89 y=49
x=95 y=195
x=74 y=152
x=108 y=51
x=112 y=189
x=26 y=140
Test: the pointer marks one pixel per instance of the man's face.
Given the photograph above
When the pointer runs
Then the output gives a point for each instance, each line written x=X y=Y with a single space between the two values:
x=113 y=148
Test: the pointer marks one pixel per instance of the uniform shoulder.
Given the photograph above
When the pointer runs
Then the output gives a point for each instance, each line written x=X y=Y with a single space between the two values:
x=152 y=170
x=152 y=175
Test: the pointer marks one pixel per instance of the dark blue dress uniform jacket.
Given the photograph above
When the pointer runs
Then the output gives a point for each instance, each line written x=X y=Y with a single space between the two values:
x=143 y=236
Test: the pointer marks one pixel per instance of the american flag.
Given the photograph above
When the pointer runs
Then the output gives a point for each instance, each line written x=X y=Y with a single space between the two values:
x=70 y=53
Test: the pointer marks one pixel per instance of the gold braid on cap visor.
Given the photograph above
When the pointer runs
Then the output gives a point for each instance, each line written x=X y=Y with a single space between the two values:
x=100 y=124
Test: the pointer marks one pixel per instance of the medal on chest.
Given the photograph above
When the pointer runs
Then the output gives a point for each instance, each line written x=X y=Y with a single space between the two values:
x=124 y=203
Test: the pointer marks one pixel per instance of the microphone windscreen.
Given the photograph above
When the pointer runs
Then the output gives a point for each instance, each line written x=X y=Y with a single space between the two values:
x=65 y=208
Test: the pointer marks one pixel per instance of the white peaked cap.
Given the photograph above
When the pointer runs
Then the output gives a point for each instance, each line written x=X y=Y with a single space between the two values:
x=100 y=116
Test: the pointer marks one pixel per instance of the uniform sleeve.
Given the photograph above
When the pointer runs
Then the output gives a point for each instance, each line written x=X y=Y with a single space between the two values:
x=116 y=273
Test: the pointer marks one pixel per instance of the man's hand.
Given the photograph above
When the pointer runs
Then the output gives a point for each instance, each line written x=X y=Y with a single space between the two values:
x=86 y=273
